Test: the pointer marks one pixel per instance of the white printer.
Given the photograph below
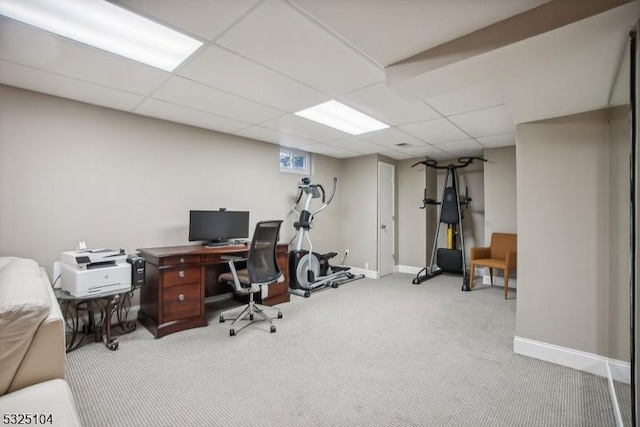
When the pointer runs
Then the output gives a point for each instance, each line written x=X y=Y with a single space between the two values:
x=94 y=271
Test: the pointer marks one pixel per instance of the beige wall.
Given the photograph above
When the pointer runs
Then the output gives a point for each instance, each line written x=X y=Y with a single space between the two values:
x=500 y=196
x=564 y=211
x=360 y=210
x=412 y=221
x=70 y=171
x=619 y=232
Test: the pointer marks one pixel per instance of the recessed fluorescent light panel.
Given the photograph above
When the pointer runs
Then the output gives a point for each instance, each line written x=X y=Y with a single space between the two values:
x=341 y=117
x=106 y=26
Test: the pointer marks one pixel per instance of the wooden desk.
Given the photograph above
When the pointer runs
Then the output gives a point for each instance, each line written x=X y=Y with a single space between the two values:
x=178 y=278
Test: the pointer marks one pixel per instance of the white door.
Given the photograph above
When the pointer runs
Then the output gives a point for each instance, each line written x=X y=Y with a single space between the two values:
x=386 y=219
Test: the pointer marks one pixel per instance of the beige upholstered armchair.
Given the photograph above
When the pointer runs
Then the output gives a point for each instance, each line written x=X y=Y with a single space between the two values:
x=502 y=254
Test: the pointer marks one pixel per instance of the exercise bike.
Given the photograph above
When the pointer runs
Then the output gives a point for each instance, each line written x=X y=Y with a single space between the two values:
x=308 y=270
x=449 y=259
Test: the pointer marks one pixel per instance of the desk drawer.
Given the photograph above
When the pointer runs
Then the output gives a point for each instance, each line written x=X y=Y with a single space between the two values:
x=180 y=275
x=180 y=302
x=180 y=259
x=277 y=289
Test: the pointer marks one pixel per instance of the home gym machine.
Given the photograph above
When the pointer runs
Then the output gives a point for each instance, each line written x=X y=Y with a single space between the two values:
x=449 y=259
x=308 y=270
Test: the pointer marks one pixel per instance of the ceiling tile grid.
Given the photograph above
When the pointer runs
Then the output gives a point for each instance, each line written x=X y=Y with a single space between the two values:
x=232 y=73
x=168 y=111
x=355 y=144
x=66 y=87
x=435 y=131
x=384 y=104
x=263 y=60
x=208 y=20
x=276 y=137
x=280 y=37
x=194 y=95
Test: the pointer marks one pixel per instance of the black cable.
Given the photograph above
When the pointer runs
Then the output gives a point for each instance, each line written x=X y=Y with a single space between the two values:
x=53 y=285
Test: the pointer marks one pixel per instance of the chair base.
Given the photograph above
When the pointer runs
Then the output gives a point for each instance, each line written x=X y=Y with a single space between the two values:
x=249 y=310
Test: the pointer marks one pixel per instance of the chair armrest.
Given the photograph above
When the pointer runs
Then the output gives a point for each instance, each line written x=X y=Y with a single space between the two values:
x=233 y=258
x=45 y=357
x=480 y=253
x=512 y=259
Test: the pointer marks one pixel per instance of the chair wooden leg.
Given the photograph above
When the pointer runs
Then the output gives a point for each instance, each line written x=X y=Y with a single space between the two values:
x=506 y=282
x=491 y=275
x=471 y=275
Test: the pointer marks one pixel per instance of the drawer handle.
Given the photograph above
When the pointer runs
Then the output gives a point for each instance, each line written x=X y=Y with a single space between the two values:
x=181 y=297
x=181 y=273
x=181 y=259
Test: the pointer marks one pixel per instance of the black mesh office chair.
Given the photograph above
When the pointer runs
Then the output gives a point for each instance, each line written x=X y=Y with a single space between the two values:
x=261 y=270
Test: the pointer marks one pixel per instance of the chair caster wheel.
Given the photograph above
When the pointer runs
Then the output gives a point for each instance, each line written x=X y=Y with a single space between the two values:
x=334 y=285
x=114 y=344
x=251 y=317
x=221 y=319
x=273 y=329
x=307 y=294
x=232 y=332
x=279 y=315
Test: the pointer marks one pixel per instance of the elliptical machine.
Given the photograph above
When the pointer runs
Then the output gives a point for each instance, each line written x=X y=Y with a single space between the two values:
x=308 y=270
x=449 y=259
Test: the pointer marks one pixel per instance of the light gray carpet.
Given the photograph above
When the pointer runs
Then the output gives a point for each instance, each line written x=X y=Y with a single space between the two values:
x=373 y=352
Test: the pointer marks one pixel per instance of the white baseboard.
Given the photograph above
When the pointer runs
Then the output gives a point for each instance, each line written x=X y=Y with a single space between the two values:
x=407 y=269
x=611 y=369
x=370 y=274
x=576 y=359
x=614 y=398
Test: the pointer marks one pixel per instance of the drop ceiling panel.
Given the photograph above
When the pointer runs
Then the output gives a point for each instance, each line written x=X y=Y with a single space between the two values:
x=171 y=112
x=304 y=128
x=329 y=150
x=467 y=147
x=471 y=98
x=232 y=73
x=276 y=35
x=573 y=66
x=490 y=121
x=39 y=49
x=384 y=104
x=206 y=19
x=391 y=137
x=355 y=144
x=269 y=135
x=425 y=150
x=190 y=94
x=496 y=141
x=396 y=154
x=435 y=131
x=64 y=87
x=389 y=31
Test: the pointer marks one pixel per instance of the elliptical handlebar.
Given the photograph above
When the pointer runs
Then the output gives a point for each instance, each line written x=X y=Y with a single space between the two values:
x=333 y=192
x=322 y=193
x=299 y=196
x=317 y=189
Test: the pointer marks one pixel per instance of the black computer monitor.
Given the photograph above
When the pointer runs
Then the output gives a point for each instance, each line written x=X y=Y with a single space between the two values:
x=217 y=227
